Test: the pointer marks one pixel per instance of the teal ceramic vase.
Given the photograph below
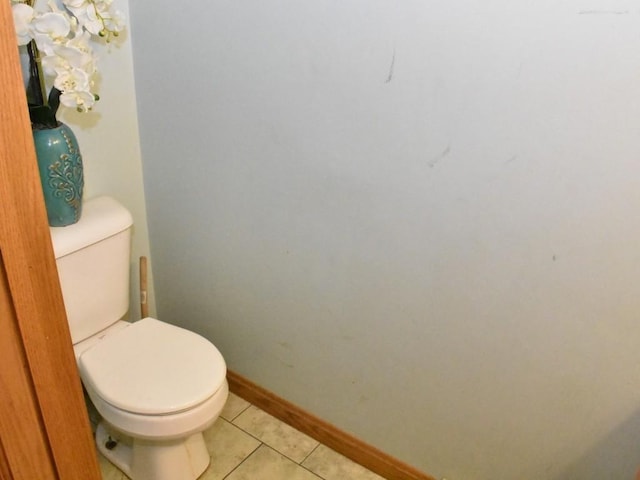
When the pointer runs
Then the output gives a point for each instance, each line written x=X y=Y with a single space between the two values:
x=61 y=174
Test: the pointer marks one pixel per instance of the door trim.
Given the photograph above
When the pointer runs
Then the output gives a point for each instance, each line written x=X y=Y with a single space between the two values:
x=57 y=435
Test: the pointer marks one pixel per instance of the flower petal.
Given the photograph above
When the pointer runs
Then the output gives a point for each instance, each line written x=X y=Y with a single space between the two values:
x=22 y=17
x=54 y=24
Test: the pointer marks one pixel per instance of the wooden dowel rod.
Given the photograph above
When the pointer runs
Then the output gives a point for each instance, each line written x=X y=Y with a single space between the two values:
x=144 y=308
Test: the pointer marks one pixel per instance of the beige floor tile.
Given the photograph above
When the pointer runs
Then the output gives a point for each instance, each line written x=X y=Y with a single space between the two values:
x=234 y=407
x=330 y=465
x=278 y=435
x=267 y=464
x=228 y=446
x=109 y=470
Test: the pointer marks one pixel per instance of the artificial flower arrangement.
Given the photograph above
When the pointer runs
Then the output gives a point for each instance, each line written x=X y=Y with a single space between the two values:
x=57 y=36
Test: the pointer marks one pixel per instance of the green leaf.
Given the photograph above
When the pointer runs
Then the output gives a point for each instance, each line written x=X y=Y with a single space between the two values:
x=54 y=100
x=42 y=117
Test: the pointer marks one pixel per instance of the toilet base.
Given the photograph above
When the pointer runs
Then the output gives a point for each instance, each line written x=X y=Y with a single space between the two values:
x=181 y=459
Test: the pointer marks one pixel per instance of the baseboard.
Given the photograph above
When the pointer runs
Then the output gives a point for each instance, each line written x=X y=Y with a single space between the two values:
x=360 y=452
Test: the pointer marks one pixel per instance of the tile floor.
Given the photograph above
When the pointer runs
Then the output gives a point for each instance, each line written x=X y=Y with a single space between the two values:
x=249 y=444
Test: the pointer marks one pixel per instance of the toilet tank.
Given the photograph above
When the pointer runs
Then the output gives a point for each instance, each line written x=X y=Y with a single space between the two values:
x=92 y=256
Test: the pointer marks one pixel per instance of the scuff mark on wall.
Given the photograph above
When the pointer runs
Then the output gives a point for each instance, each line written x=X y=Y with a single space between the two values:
x=433 y=162
x=391 y=67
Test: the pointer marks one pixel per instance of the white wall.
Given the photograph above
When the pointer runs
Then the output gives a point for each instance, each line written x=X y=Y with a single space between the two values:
x=416 y=219
x=110 y=146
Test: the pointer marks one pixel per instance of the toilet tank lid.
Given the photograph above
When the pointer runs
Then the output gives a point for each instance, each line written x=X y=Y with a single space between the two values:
x=102 y=217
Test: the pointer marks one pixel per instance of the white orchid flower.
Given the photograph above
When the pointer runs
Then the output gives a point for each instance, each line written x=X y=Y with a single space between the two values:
x=81 y=42
x=81 y=100
x=87 y=16
x=56 y=25
x=96 y=16
x=72 y=80
x=61 y=58
x=22 y=18
x=114 y=21
x=44 y=42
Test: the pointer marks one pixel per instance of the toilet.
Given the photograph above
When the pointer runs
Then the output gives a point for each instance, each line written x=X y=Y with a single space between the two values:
x=156 y=386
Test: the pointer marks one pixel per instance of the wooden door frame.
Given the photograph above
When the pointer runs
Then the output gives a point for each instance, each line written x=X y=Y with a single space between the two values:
x=44 y=427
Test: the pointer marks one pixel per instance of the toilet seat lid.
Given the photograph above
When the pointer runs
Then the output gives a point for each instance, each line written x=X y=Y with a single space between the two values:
x=153 y=368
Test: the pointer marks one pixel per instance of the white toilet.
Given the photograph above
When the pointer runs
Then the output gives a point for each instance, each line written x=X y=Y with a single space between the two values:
x=156 y=386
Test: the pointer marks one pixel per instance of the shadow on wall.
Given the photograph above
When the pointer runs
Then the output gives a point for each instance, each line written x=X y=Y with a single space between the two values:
x=617 y=456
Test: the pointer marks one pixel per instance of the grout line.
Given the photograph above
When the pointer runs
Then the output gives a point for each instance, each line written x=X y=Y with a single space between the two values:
x=294 y=462
x=309 y=454
x=274 y=448
x=239 y=413
x=243 y=460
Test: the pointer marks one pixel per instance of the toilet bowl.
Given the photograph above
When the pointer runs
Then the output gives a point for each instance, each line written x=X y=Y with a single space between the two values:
x=156 y=386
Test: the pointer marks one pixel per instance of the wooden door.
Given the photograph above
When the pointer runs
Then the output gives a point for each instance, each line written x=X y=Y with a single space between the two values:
x=44 y=427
